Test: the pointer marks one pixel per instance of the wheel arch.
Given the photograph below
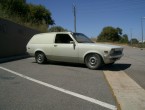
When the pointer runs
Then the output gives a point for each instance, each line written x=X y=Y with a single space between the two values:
x=39 y=51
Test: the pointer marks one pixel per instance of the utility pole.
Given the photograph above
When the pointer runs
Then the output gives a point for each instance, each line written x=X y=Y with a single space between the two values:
x=142 y=29
x=74 y=11
x=131 y=36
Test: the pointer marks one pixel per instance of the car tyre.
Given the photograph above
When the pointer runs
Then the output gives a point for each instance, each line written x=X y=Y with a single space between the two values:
x=40 y=58
x=93 y=61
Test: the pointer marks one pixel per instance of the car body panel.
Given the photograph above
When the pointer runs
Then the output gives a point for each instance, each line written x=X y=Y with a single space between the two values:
x=64 y=52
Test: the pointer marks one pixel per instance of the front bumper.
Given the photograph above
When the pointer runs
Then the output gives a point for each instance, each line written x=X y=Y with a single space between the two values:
x=110 y=59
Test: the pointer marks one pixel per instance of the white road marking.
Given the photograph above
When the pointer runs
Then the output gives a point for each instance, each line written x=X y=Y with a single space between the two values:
x=89 y=99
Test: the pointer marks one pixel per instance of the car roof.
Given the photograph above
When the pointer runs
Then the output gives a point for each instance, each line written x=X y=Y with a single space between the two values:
x=55 y=33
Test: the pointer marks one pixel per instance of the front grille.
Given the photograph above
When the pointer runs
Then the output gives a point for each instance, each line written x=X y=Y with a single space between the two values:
x=117 y=52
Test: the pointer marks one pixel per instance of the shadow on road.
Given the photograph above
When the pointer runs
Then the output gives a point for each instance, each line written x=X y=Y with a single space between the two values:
x=116 y=67
x=64 y=64
x=13 y=58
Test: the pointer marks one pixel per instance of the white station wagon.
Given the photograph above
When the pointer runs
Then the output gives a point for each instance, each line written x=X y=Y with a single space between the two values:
x=72 y=47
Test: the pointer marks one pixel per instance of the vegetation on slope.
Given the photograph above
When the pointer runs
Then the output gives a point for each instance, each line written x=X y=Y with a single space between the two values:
x=35 y=16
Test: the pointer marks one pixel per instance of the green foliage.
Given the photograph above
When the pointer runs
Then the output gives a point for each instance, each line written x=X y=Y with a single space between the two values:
x=110 y=34
x=124 y=39
x=119 y=30
x=14 y=7
x=134 y=41
x=39 y=15
x=21 y=12
x=57 y=29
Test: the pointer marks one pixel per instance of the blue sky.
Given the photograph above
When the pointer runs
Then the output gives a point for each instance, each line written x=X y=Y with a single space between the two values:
x=94 y=15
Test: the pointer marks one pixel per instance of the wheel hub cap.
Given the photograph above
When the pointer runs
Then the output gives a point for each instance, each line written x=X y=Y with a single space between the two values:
x=40 y=58
x=93 y=60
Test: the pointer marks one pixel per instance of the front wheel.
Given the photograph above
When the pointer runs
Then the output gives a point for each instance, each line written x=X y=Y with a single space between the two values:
x=93 y=61
x=40 y=58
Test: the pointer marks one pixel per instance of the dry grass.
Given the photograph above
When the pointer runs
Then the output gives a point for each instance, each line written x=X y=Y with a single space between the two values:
x=139 y=45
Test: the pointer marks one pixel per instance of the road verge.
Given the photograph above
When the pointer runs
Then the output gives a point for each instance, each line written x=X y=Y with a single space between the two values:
x=129 y=95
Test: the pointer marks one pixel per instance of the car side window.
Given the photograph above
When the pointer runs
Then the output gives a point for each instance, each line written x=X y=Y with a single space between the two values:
x=63 y=38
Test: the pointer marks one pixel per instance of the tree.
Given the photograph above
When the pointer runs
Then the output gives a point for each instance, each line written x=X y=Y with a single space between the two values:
x=134 y=41
x=36 y=15
x=14 y=7
x=124 y=39
x=57 y=29
x=39 y=14
x=110 y=34
x=119 y=30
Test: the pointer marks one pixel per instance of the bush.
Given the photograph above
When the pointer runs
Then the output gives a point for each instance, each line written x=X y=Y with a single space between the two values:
x=57 y=29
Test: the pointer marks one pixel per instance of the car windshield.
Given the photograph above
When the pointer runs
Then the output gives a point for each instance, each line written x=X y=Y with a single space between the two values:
x=81 y=38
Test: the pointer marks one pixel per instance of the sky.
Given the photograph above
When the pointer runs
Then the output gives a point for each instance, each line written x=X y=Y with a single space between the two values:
x=93 y=15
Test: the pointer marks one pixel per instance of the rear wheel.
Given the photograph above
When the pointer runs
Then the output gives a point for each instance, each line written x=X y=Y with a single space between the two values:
x=93 y=61
x=40 y=58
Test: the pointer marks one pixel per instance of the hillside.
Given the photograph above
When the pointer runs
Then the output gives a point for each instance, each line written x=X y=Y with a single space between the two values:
x=29 y=15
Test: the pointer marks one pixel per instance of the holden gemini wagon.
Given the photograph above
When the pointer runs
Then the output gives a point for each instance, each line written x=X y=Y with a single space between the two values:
x=72 y=47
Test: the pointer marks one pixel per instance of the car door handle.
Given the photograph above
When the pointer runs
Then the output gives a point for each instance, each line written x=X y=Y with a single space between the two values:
x=55 y=45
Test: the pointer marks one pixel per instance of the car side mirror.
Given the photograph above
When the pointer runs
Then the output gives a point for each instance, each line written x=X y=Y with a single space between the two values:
x=72 y=42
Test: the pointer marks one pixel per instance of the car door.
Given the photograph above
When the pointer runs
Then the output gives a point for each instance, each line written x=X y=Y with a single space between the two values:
x=64 y=49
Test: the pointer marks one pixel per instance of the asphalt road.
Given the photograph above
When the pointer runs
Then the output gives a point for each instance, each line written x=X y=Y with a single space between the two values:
x=18 y=93
x=26 y=85
x=135 y=59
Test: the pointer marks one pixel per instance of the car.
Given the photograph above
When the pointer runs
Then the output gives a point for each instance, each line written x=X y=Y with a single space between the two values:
x=72 y=47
